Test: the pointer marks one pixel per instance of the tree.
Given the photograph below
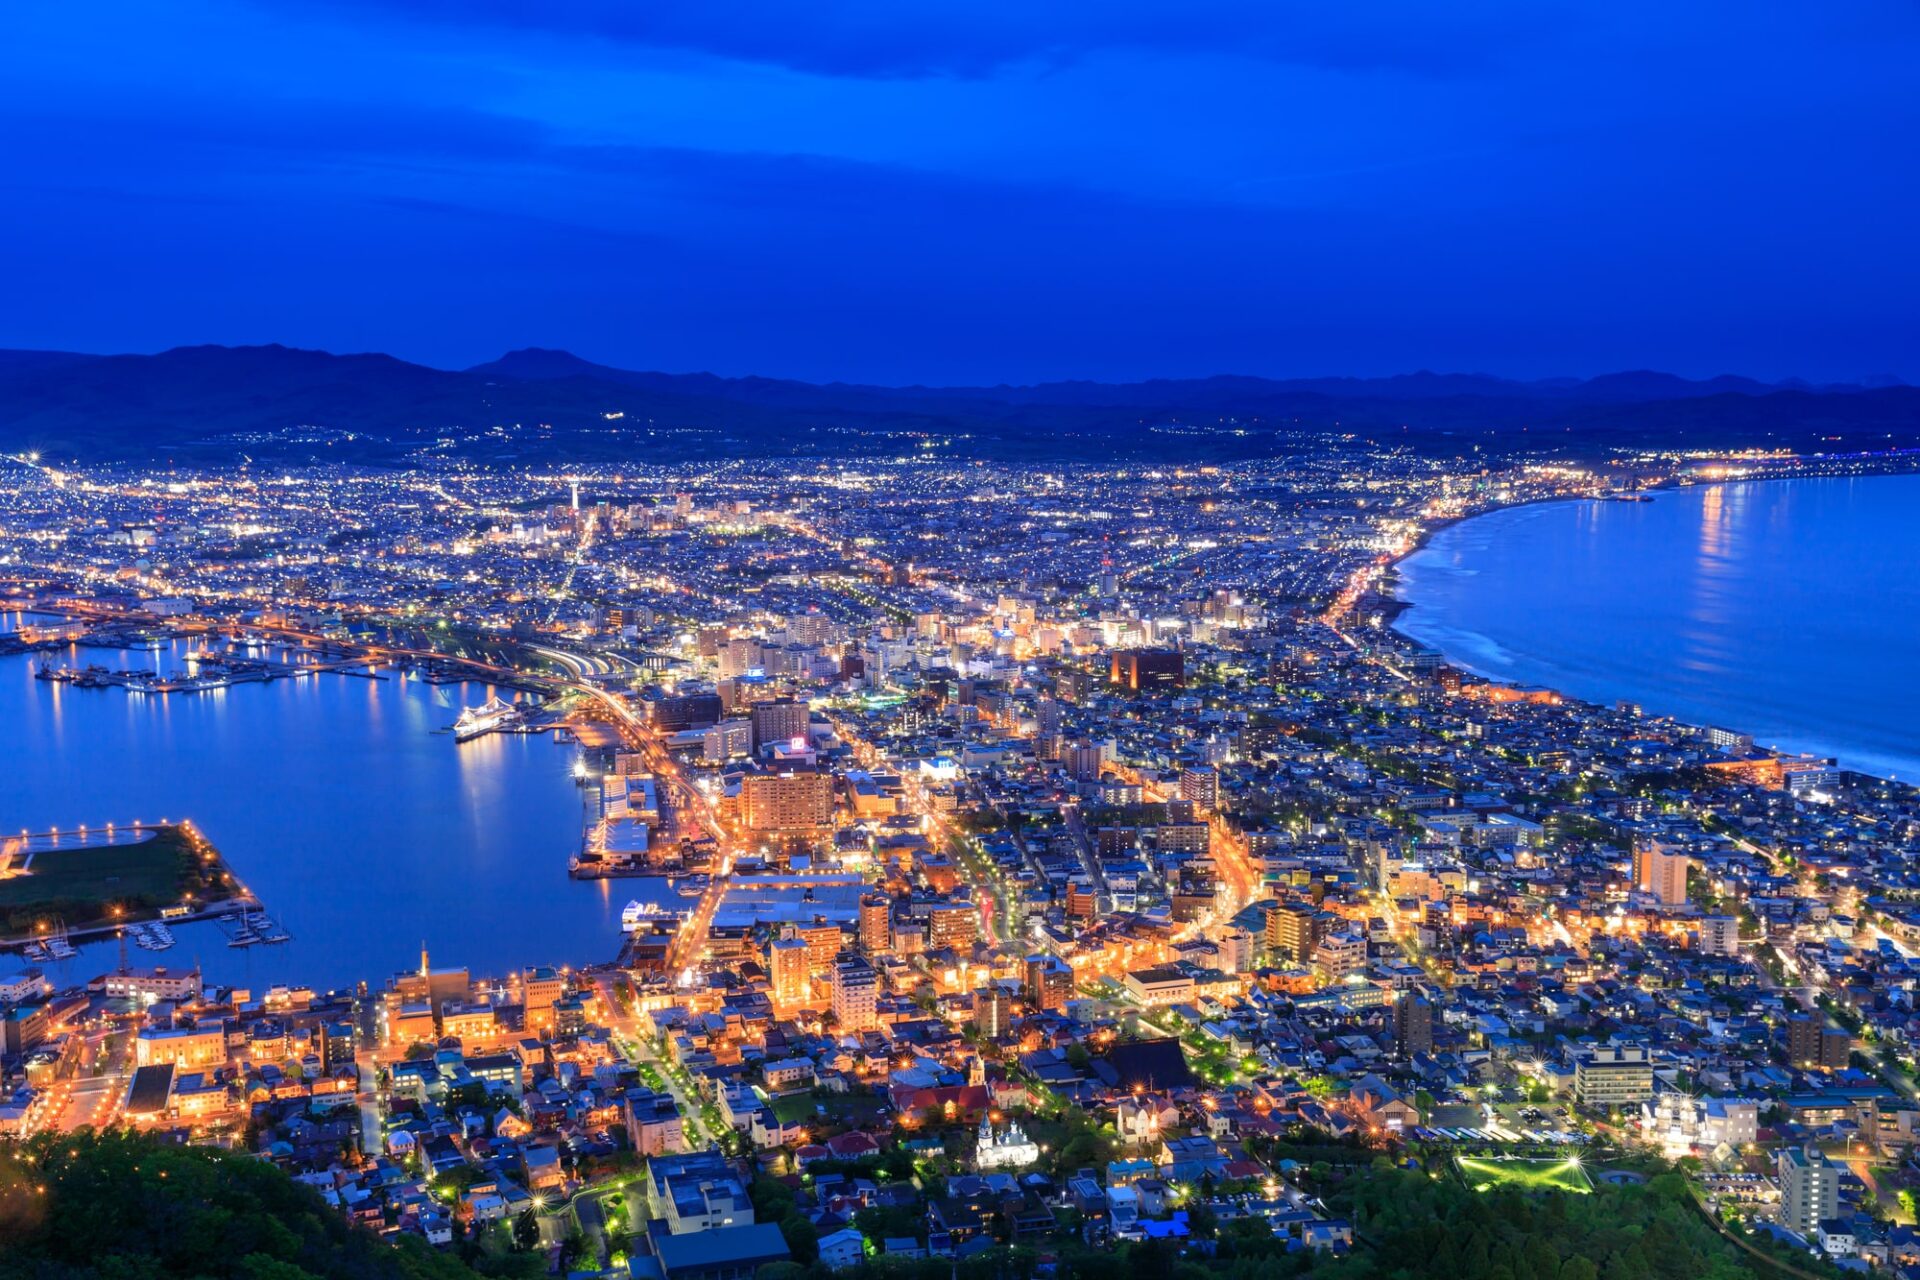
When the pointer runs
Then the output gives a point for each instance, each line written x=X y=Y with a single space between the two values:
x=116 y=1204
x=801 y=1235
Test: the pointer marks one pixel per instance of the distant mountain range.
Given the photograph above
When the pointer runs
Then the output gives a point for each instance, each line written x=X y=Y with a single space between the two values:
x=216 y=404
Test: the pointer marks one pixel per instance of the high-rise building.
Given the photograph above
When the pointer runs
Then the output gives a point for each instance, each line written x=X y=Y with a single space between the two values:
x=1338 y=955
x=1660 y=872
x=856 y=992
x=1050 y=716
x=1084 y=760
x=1719 y=935
x=1809 y=1189
x=1294 y=930
x=727 y=740
x=685 y=711
x=1613 y=1076
x=1813 y=1045
x=1144 y=669
x=823 y=939
x=876 y=922
x=1048 y=982
x=952 y=924
x=781 y=720
x=1412 y=1024
x=786 y=803
x=540 y=989
x=788 y=965
x=992 y=1011
x=1201 y=788
x=1031 y=972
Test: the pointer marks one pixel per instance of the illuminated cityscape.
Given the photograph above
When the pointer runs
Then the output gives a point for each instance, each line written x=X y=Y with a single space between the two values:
x=989 y=641
x=1083 y=834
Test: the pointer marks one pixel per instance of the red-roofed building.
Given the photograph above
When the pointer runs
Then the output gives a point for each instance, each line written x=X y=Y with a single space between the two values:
x=959 y=1103
x=853 y=1146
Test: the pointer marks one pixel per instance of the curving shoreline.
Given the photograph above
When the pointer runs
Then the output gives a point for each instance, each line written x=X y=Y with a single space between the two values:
x=1696 y=638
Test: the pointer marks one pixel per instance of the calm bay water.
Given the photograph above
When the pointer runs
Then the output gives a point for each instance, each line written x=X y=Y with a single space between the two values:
x=363 y=830
x=1785 y=609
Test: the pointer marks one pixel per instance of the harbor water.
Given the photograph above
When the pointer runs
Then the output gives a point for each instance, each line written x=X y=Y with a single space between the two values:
x=342 y=802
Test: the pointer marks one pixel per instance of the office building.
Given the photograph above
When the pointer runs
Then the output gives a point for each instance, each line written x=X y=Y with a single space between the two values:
x=721 y=1252
x=728 y=740
x=1143 y=670
x=780 y=721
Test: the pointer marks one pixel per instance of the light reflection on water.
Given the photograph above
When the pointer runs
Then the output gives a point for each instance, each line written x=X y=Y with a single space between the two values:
x=363 y=828
x=1786 y=609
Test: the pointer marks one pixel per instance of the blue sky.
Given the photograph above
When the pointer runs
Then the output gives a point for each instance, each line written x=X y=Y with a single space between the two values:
x=949 y=192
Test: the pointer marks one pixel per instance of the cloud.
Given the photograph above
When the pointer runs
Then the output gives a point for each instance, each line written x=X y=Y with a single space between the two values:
x=947 y=196
x=929 y=38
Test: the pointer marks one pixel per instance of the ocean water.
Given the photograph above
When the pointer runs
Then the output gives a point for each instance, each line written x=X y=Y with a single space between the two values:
x=1786 y=609
x=341 y=802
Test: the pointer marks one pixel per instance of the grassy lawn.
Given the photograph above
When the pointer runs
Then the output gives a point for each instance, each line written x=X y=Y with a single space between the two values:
x=81 y=884
x=1527 y=1175
x=850 y=1109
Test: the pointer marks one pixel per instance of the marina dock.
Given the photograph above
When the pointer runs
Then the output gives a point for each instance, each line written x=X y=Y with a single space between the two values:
x=213 y=669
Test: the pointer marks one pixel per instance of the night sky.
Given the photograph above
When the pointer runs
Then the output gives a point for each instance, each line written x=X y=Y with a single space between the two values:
x=974 y=192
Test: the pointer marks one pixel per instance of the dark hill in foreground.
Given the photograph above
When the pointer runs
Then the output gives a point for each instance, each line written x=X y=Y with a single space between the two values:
x=105 y=1206
x=219 y=404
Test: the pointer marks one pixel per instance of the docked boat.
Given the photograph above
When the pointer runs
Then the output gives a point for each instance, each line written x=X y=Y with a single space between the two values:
x=636 y=914
x=495 y=713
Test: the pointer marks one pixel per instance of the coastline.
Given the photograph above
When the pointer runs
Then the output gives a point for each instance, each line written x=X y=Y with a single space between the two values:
x=1859 y=761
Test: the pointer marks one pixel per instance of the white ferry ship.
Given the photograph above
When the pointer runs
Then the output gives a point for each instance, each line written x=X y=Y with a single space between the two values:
x=637 y=914
x=496 y=713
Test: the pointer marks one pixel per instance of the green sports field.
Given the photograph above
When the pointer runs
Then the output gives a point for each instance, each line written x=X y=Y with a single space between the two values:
x=85 y=885
x=1526 y=1175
